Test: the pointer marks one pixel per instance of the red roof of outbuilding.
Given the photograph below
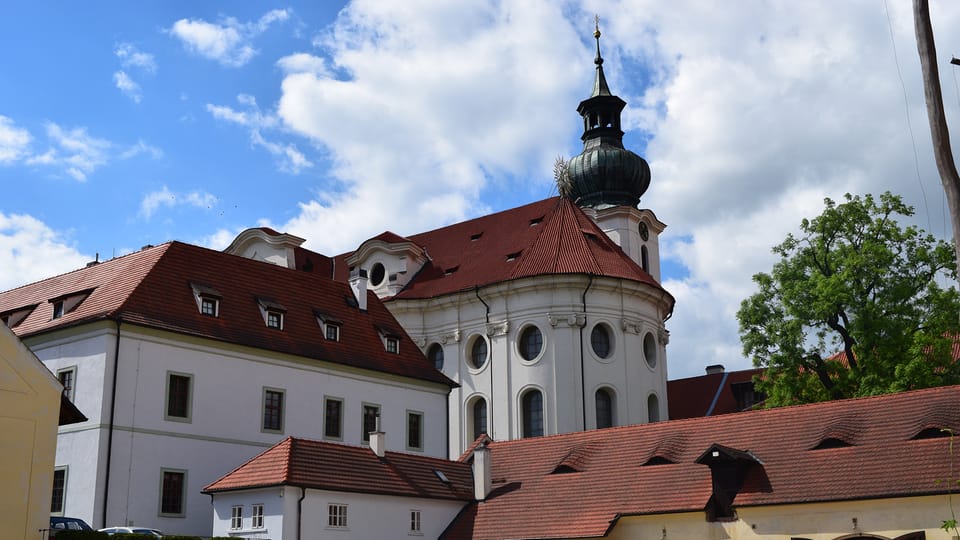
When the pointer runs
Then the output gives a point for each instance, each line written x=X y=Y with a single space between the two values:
x=552 y=236
x=153 y=288
x=616 y=476
x=706 y=395
x=338 y=467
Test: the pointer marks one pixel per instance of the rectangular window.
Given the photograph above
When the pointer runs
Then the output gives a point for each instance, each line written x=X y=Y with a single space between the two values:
x=172 y=492
x=257 y=515
x=333 y=418
x=59 y=490
x=236 y=518
x=337 y=516
x=58 y=309
x=414 y=521
x=333 y=332
x=208 y=306
x=178 y=396
x=370 y=415
x=414 y=430
x=393 y=345
x=275 y=320
x=272 y=410
x=67 y=378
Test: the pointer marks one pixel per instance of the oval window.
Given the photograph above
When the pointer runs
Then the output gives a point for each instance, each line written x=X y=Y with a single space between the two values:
x=531 y=343
x=435 y=354
x=650 y=350
x=600 y=340
x=478 y=353
x=377 y=273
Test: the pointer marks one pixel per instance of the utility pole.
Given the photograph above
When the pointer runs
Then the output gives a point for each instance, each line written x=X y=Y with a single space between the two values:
x=938 y=122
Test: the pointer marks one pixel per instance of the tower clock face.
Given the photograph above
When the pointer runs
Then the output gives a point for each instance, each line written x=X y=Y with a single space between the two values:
x=644 y=231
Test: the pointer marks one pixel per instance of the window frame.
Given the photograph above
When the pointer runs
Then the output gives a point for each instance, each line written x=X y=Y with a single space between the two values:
x=329 y=328
x=205 y=300
x=416 y=523
x=474 y=343
x=529 y=336
x=436 y=355
x=274 y=319
x=392 y=345
x=527 y=420
x=609 y=395
x=479 y=400
x=337 y=516
x=650 y=349
x=326 y=417
x=364 y=432
x=263 y=409
x=188 y=417
x=181 y=498
x=607 y=332
x=256 y=516
x=64 y=470
x=419 y=431
x=68 y=391
x=236 y=517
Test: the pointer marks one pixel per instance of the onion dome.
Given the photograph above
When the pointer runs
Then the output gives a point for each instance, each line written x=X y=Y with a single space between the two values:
x=605 y=173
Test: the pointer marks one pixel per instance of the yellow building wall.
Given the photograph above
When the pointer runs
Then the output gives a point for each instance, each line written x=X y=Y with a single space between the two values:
x=29 y=415
x=886 y=518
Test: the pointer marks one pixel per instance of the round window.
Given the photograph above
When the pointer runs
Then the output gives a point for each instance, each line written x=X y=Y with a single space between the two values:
x=478 y=353
x=531 y=343
x=650 y=350
x=435 y=354
x=377 y=273
x=600 y=340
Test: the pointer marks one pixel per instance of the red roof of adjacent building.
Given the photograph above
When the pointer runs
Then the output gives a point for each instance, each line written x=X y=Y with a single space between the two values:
x=338 y=467
x=155 y=288
x=552 y=236
x=707 y=395
x=654 y=469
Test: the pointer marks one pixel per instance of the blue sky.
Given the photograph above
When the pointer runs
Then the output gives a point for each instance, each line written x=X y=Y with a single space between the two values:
x=124 y=124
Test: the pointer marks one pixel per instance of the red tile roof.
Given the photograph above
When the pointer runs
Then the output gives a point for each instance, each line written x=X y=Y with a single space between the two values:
x=552 y=236
x=338 y=467
x=711 y=393
x=152 y=288
x=530 y=500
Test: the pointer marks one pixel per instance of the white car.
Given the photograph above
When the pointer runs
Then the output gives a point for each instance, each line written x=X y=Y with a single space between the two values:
x=131 y=530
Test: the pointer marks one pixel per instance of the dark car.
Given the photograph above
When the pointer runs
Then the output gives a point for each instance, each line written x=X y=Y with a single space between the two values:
x=59 y=523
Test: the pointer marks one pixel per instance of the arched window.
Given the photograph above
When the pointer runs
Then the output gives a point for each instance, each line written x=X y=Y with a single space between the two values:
x=532 y=414
x=478 y=352
x=644 y=259
x=650 y=350
x=604 y=401
x=600 y=340
x=531 y=343
x=479 y=417
x=653 y=408
x=435 y=354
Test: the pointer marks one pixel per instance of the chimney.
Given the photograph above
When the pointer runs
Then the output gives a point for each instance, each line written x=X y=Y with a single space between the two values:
x=377 y=440
x=358 y=283
x=716 y=368
x=482 y=474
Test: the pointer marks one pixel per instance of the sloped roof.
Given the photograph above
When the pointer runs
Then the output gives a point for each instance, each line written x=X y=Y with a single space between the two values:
x=552 y=236
x=338 y=467
x=153 y=288
x=710 y=393
x=529 y=500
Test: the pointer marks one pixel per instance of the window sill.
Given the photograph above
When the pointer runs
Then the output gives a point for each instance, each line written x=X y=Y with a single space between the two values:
x=246 y=532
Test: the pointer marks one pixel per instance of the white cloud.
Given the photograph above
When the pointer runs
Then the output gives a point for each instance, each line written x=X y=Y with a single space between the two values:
x=166 y=198
x=78 y=153
x=32 y=251
x=128 y=86
x=303 y=63
x=14 y=141
x=130 y=56
x=289 y=158
x=141 y=148
x=228 y=42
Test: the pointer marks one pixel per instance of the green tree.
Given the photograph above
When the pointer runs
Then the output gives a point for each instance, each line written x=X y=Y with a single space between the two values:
x=854 y=307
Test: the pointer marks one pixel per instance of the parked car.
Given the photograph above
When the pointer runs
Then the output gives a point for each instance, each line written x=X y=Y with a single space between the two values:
x=132 y=530
x=60 y=523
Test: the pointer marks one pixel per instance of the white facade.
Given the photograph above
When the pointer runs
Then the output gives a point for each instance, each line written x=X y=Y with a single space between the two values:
x=367 y=516
x=223 y=428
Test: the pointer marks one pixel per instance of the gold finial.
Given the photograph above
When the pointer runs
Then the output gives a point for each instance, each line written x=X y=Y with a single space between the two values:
x=596 y=26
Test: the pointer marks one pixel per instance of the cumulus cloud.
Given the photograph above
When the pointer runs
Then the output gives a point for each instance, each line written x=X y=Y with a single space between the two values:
x=166 y=198
x=289 y=158
x=32 y=251
x=131 y=57
x=14 y=141
x=229 y=41
x=303 y=63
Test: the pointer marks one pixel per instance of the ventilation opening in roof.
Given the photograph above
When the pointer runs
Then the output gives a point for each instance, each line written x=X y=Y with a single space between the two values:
x=658 y=460
x=831 y=442
x=564 y=469
x=450 y=270
x=513 y=256
x=536 y=221
x=475 y=237
x=931 y=433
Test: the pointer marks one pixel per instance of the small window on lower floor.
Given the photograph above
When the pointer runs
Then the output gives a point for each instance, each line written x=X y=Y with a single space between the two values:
x=337 y=516
x=67 y=378
x=272 y=410
x=333 y=418
x=414 y=430
x=256 y=515
x=371 y=415
x=173 y=486
x=415 y=521
x=59 y=490
x=236 y=518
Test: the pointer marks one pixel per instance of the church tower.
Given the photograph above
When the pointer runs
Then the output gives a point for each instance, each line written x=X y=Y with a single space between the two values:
x=607 y=180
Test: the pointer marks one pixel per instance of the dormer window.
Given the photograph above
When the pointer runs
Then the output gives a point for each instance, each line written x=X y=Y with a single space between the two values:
x=332 y=332
x=390 y=337
x=68 y=302
x=393 y=345
x=272 y=313
x=58 y=309
x=330 y=325
x=14 y=317
x=513 y=256
x=475 y=237
x=207 y=298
